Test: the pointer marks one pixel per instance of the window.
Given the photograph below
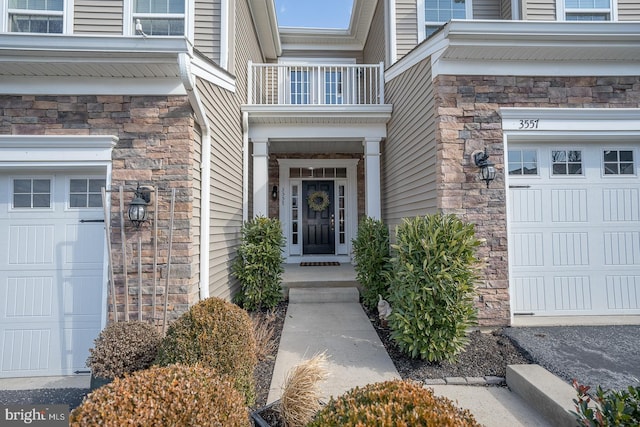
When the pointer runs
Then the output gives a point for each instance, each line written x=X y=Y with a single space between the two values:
x=36 y=16
x=618 y=162
x=31 y=193
x=439 y=12
x=523 y=162
x=587 y=10
x=566 y=162
x=86 y=193
x=333 y=87
x=160 y=17
x=299 y=87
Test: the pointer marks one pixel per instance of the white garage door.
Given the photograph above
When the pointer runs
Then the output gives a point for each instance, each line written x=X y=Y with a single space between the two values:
x=51 y=271
x=574 y=229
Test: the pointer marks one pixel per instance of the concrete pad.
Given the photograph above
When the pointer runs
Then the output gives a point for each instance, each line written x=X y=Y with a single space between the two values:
x=356 y=354
x=544 y=392
x=492 y=406
x=35 y=383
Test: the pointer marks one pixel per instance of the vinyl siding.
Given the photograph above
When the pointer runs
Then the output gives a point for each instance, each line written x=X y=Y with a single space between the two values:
x=207 y=28
x=486 y=9
x=223 y=111
x=409 y=153
x=98 y=17
x=628 y=10
x=539 y=10
x=374 y=48
x=406 y=26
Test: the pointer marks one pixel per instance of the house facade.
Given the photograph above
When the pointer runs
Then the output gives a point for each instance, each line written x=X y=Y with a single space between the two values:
x=219 y=115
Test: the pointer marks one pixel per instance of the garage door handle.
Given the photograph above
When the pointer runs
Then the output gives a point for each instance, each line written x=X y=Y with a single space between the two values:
x=91 y=220
x=519 y=186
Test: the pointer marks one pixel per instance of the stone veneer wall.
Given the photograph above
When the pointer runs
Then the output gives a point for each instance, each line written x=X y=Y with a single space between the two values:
x=468 y=120
x=156 y=147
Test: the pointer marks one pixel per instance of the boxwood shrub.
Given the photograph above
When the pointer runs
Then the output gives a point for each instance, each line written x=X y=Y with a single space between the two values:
x=371 y=255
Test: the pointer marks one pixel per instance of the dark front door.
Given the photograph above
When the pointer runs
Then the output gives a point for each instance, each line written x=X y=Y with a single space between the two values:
x=318 y=221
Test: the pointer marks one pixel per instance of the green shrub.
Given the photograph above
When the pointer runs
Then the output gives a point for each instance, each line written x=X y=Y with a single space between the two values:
x=612 y=408
x=164 y=396
x=122 y=348
x=392 y=403
x=371 y=254
x=258 y=264
x=215 y=334
x=434 y=269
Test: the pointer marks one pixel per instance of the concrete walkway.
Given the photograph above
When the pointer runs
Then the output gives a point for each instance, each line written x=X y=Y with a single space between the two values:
x=356 y=356
x=332 y=320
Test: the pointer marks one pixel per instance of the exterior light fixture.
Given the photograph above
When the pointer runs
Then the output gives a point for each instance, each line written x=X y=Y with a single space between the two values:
x=487 y=169
x=274 y=192
x=138 y=207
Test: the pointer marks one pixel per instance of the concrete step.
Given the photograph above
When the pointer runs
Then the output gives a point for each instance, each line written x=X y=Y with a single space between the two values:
x=544 y=392
x=323 y=295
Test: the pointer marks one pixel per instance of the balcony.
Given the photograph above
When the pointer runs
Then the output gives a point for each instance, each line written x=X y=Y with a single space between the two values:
x=316 y=85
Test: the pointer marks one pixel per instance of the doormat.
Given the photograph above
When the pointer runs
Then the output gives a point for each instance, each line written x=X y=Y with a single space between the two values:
x=319 y=264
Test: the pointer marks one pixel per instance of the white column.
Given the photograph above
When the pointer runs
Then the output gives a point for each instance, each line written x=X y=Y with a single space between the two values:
x=260 y=178
x=372 y=177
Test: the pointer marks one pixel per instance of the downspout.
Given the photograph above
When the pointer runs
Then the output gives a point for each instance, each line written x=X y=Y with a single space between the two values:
x=188 y=80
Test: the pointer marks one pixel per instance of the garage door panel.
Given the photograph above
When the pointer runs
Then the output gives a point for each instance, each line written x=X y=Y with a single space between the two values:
x=26 y=351
x=31 y=244
x=569 y=205
x=80 y=249
x=31 y=297
x=570 y=249
x=621 y=204
x=623 y=292
x=51 y=283
x=80 y=297
x=572 y=293
x=582 y=254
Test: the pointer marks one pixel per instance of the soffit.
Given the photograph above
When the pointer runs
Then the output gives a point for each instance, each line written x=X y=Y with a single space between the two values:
x=76 y=56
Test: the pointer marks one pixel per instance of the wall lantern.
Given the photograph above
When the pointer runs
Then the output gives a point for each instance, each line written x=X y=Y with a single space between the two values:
x=138 y=207
x=487 y=169
x=274 y=192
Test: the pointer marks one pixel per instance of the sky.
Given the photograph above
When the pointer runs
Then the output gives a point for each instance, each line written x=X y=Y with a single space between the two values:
x=314 y=13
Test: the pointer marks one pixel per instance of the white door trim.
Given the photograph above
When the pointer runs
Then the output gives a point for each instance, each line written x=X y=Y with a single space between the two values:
x=291 y=253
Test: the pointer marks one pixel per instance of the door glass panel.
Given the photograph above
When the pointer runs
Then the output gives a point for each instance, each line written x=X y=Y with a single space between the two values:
x=342 y=235
x=523 y=162
x=618 y=162
x=294 y=214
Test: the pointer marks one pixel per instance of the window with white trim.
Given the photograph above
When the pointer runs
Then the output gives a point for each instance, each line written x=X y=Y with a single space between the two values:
x=566 y=162
x=160 y=17
x=86 y=192
x=588 y=10
x=439 y=12
x=618 y=162
x=31 y=193
x=36 y=16
x=523 y=162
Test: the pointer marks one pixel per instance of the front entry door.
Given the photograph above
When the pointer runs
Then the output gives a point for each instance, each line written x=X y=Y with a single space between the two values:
x=318 y=219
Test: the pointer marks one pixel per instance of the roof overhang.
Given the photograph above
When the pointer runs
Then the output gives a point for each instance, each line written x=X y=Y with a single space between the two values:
x=317 y=123
x=266 y=24
x=40 y=64
x=528 y=48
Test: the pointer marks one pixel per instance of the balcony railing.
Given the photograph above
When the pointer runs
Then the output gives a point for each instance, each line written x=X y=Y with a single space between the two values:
x=326 y=84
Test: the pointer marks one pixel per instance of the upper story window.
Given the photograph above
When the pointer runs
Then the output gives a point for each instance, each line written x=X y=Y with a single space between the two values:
x=439 y=12
x=587 y=10
x=160 y=17
x=36 y=16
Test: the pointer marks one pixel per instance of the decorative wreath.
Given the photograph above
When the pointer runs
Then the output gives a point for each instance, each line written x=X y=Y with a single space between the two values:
x=318 y=201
